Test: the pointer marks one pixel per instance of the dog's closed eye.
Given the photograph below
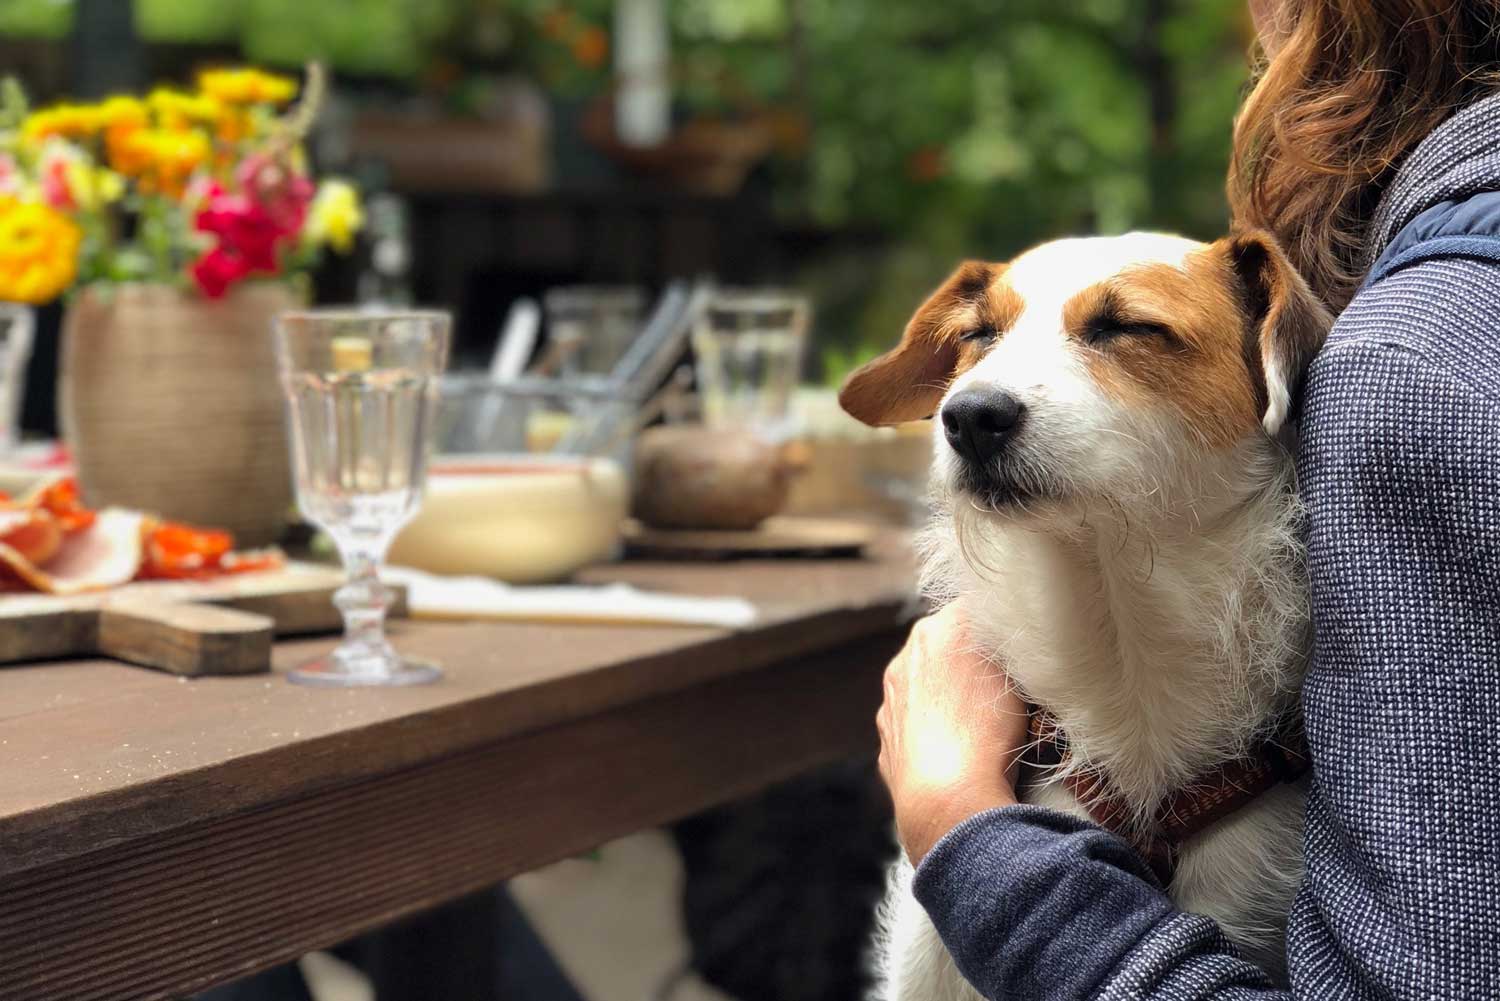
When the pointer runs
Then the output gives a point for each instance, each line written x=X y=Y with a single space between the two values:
x=1107 y=328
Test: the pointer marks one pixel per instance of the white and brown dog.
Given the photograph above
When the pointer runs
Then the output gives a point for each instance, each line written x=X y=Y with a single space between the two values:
x=1117 y=514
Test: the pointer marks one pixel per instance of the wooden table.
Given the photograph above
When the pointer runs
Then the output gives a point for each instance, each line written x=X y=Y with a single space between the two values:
x=159 y=835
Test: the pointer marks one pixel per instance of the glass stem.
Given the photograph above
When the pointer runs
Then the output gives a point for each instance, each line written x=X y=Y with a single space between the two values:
x=363 y=600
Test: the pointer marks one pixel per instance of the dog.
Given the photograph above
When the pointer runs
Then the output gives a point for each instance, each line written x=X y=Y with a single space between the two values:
x=1116 y=513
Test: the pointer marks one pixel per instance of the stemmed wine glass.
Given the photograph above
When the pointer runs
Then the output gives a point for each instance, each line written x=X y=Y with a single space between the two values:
x=362 y=394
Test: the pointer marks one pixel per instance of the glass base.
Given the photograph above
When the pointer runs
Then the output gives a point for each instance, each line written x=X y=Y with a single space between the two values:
x=332 y=672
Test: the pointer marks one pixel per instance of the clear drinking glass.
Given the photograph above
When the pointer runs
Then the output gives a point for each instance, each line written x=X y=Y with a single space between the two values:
x=591 y=326
x=748 y=344
x=362 y=397
x=15 y=352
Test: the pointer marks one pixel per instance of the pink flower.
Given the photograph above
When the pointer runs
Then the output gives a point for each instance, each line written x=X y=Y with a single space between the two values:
x=54 y=182
x=200 y=189
x=10 y=175
x=276 y=187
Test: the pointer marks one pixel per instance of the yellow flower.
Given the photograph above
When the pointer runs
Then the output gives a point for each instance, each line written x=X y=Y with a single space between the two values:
x=94 y=187
x=108 y=186
x=247 y=86
x=38 y=252
x=178 y=109
x=335 y=216
x=162 y=159
x=68 y=121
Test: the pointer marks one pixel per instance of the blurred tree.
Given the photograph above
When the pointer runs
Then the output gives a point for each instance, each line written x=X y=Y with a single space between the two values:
x=189 y=23
x=974 y=128
x=35 y=18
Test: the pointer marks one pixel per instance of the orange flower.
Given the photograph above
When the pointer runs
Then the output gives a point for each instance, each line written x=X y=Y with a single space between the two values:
x=234 y=125
x=591 y=47
x=927 y=164
x=161 y=159
x=121 y=114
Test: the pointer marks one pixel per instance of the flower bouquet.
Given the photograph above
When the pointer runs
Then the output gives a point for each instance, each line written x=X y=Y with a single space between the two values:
x=209 y=186
x=154 y=214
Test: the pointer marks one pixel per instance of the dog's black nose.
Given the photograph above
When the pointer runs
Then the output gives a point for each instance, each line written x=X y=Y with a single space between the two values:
x=978 y=422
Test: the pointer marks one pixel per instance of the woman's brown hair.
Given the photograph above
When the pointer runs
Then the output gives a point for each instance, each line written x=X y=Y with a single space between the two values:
x=1353 y=87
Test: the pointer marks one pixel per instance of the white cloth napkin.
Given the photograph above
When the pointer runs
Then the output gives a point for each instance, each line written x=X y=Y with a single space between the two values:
x=429 y=596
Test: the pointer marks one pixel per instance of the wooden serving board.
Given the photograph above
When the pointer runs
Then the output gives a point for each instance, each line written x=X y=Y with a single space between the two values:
x=186 y=627
x=779 y=536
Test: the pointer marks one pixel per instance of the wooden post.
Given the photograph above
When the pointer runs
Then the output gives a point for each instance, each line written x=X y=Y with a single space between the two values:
x=105 y=52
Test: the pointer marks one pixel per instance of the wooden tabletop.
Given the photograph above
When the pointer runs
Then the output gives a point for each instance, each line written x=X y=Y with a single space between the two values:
x=159 y=835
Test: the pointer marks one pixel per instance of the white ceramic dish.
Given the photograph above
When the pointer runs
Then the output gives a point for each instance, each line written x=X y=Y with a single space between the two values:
x=523 y=519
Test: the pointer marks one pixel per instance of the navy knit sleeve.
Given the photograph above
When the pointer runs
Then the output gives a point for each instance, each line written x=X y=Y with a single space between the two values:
x=1036 y=904
x=1400 y=469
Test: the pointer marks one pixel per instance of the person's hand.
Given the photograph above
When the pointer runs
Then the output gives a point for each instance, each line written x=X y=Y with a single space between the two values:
x=951 y=731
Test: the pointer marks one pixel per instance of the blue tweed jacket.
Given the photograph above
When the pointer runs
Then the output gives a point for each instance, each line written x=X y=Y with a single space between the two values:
x=1400 y=466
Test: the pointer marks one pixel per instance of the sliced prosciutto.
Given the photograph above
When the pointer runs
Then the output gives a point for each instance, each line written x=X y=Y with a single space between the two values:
x=106 y=554
x=51 y=542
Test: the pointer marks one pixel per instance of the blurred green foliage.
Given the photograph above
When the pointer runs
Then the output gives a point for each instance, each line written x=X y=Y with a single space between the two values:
x=924 y=130
x=35 y=18
x=977 y=128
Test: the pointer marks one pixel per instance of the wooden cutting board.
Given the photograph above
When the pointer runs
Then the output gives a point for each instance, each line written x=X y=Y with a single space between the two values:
x=186 y=627
x=779 y=536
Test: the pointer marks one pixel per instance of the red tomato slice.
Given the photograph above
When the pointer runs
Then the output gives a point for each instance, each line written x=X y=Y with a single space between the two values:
x=63 y=500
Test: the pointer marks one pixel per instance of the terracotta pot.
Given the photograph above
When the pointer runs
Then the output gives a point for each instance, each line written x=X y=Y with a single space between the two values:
x=171 y=404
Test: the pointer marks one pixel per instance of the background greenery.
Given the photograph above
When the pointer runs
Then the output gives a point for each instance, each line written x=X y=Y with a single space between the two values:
x=912 y=132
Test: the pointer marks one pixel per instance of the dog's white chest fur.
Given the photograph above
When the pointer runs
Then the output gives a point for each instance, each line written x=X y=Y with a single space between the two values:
x=1163 y=649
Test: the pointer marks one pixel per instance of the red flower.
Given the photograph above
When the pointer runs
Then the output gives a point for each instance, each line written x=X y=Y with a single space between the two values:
x=251 y=225
x=243 y=227
x=218 y=269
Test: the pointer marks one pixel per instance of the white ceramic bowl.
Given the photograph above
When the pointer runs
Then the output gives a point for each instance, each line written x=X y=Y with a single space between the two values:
x=520 y=518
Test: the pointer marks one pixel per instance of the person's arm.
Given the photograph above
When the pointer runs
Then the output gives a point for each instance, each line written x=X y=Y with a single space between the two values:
x=1401 y=472
x=1033 y=903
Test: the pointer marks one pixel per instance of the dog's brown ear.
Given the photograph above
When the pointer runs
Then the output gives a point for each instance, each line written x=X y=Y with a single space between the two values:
x=1287 y=322
x=908 y=382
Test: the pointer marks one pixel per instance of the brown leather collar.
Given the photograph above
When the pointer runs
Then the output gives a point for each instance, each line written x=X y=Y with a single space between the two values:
x=1280 y=757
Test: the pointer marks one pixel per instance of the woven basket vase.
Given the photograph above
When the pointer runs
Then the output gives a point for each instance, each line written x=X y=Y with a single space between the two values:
x=171 y=404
